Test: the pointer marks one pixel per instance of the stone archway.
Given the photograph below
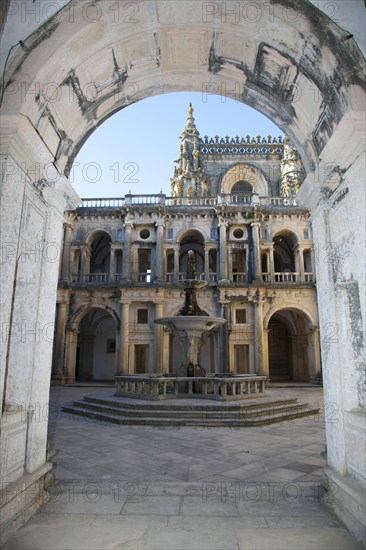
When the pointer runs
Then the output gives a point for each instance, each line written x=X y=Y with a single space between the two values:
x=247 y=173
x=79 y=68
x=292 y=345
x=96 y=347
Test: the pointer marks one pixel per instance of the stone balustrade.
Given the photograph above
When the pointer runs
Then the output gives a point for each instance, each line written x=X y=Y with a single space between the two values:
x=221 y=388
x=161 y=199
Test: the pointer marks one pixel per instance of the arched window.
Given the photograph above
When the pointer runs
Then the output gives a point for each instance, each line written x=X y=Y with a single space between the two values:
x=192 y=240
x=241 y=190
x=100 y=254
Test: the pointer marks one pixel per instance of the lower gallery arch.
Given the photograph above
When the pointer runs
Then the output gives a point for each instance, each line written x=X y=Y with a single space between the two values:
x=293 y=352
x=91 y=346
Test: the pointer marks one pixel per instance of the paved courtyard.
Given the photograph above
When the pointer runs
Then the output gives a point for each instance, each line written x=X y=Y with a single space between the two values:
x=146 y=488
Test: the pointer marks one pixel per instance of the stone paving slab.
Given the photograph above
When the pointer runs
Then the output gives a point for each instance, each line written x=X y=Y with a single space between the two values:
x=145 y=488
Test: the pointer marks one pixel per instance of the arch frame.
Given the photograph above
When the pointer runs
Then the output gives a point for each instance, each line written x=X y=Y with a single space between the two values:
x=290 y=306
x=175 y=50
x=93 y=233
x=247 y=172
x=80 y=313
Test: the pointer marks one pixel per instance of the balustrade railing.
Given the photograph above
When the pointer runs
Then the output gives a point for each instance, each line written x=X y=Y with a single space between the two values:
x=96 y=278
x=239 y=277
x=279 y=201
x=144 y=277
x=183 y=275
x=194 y=201
x=223 y=388
x=114 y=202
x=286 y=277
x=186 y=201
x=236 y=278
x=309 y=277
x=145 y=199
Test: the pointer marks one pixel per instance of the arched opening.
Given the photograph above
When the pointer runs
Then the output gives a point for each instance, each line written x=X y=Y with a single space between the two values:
x=192 y=240
x=241 y=191
x=97 y=262
x=284 y=246
x=291 y=346
x=96 y=346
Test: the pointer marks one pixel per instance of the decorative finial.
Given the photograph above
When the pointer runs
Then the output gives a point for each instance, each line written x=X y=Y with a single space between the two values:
x=190 y=110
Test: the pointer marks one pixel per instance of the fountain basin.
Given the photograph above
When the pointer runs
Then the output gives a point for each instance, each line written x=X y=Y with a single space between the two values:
x=190 y=323
x=190 y=329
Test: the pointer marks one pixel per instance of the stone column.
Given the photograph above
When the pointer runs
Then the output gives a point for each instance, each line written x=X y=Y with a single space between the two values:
x=66 y=251
x=271 y=265
x=224 y=338
x=158 y=339
x=85 y=263
x=124 y=340
x=230 y=263
x=117 y=358
x=265 y=355
x=112 y=265
x=166 y=350
x=207 y=264
x=258 y=333
x=159 y=264
x=70 y=354
x=257 y=252
x=59 y=352
x=127 y=254
x=176 y=264
x=316 y=351
x=223 y=252
x=300 y=263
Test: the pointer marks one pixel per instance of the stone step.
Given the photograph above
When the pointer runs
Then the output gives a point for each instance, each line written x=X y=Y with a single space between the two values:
x=109 y=414
x=186 y=404
x=198 y=412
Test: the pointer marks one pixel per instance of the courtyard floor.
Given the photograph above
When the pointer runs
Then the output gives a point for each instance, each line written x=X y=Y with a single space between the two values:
x=146 y=488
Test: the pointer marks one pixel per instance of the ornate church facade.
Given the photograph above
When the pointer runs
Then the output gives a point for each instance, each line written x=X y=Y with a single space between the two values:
x=233 y=202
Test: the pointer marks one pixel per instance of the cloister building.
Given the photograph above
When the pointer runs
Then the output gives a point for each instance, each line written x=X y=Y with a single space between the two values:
x=232 y=202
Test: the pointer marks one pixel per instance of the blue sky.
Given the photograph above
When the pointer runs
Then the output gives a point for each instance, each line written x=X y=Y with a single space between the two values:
x=135 y=149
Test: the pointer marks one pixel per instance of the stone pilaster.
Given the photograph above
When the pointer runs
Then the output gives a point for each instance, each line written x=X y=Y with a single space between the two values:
x=159 y=260
x=158 y=338
x=223 y=252
x=257 y=252
x=124 y=341
x=126 y=258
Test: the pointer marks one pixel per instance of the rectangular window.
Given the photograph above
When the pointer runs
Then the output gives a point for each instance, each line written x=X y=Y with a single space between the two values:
x=170 y=234
x=144 y=259
x=142 y=316
x=119 y=234
x=306 y=233
x=79 y=235
x=241 y=316
x=214 y=233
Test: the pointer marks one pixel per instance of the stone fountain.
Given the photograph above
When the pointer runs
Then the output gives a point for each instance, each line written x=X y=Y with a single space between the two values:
x=192 y=323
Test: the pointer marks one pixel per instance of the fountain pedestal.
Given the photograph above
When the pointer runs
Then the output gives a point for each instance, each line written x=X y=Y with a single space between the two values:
x=191 y=329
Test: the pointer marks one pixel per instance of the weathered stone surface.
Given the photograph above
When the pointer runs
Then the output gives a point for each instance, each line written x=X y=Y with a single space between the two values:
x=47 y=123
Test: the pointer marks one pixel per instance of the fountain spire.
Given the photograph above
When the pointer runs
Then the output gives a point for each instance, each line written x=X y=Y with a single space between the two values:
x=190 y=285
